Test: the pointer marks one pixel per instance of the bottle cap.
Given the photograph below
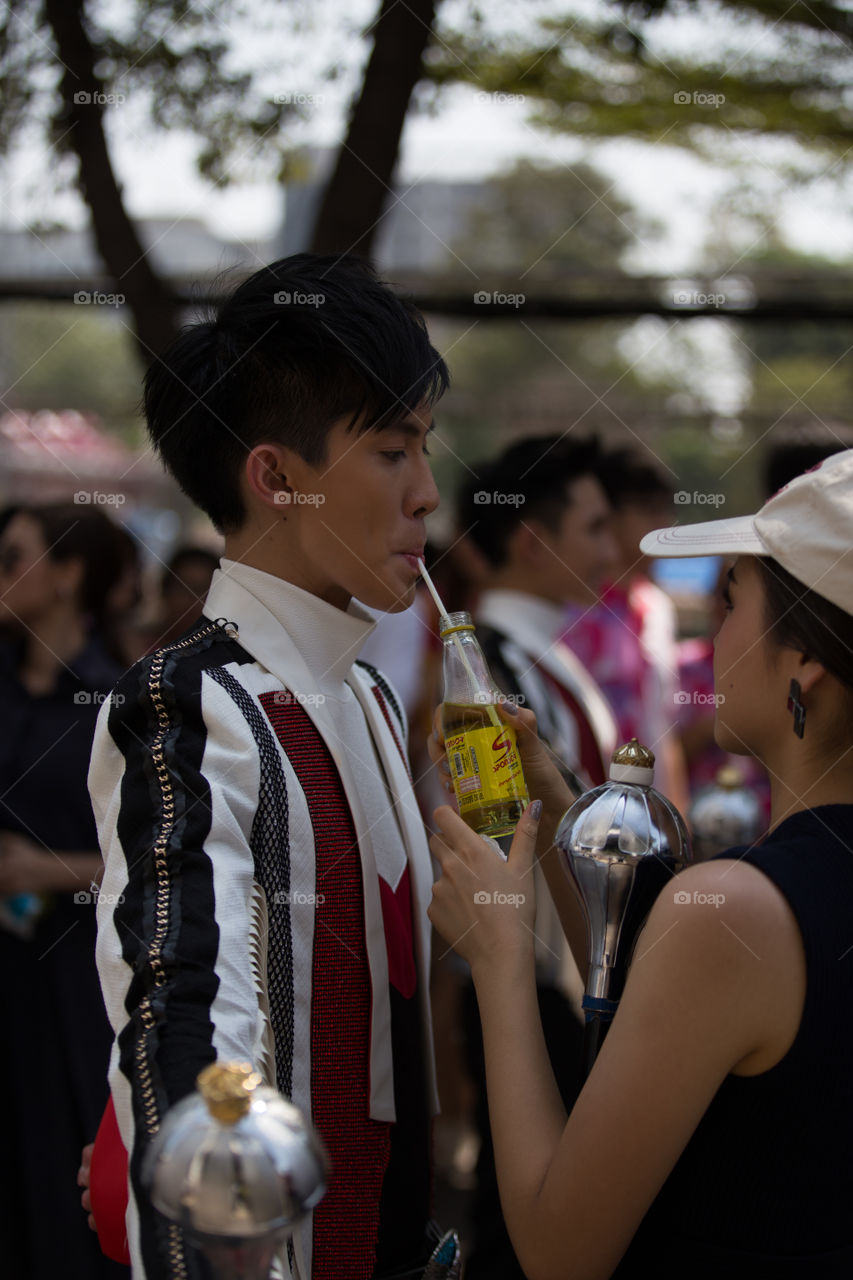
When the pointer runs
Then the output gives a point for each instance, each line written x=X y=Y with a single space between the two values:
x=633 y=762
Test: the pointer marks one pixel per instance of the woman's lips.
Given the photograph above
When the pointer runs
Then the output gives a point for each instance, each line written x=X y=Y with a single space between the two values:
x=412 y=558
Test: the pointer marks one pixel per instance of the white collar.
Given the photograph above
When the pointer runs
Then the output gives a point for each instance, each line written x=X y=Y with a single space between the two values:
x=525 y=617
x=328 y=639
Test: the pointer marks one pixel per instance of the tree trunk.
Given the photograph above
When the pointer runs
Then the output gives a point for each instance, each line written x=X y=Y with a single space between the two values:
x=155 y=315
x=360 y=185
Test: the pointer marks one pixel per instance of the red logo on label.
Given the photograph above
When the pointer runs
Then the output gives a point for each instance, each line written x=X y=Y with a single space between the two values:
x=502 y=742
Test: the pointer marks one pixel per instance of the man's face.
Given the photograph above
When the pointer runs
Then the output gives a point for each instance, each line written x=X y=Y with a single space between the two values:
x=582 y=550
x=358 y=517
x=632 y=522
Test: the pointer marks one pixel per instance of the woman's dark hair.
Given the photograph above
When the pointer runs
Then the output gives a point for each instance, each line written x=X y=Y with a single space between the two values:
x=72 y=531
x=301 y=344
x=800 y=618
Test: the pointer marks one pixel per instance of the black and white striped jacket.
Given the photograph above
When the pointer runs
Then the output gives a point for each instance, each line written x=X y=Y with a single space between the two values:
x=205 y=824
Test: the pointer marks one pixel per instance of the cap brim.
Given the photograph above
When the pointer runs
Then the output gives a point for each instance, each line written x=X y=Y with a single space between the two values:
x=734 y=537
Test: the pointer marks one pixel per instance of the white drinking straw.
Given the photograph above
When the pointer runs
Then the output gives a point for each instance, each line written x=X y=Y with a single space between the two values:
x=489 y=706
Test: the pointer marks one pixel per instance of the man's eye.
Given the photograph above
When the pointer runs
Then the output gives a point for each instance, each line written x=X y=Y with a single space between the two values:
x=394 y=454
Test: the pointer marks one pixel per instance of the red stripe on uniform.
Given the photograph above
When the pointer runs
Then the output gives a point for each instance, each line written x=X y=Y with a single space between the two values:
x=346 y=1221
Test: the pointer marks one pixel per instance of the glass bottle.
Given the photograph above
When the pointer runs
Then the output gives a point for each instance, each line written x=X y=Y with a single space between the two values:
x=481 y=748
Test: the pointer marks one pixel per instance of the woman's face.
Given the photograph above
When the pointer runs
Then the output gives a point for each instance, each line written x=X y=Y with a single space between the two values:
x=749 y=680
x=31 y=581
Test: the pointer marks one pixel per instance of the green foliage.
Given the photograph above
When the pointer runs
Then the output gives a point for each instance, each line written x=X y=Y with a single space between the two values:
x=174 y=59
x=769 y=68
x=72 y=357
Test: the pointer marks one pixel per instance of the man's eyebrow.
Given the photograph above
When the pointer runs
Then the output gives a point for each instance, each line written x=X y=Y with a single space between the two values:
x=409 y=428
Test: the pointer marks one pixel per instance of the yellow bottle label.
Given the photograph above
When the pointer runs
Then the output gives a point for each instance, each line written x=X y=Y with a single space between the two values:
x=485 y=766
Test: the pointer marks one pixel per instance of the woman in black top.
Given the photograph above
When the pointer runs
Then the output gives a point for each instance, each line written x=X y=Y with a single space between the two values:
x=714 y=1135
x=58 y=565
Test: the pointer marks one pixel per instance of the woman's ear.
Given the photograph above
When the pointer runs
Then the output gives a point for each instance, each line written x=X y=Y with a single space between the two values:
x=808 y=672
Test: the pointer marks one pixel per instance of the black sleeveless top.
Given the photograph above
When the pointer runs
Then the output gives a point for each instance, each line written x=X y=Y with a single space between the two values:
x=764 y=1188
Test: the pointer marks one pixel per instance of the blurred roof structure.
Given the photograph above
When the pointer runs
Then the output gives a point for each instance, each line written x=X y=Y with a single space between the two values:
x=48 y=456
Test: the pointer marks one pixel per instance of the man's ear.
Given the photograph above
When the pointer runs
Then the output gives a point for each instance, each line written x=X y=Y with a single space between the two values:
x=268 y=472
x=527 y=545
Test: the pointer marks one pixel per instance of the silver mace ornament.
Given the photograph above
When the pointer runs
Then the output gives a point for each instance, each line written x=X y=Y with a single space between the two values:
x=724 y=814
x=622 y=843
x=238 y=1167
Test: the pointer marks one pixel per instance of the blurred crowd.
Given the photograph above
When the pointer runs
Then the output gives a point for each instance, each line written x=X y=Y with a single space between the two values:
x=543 y=555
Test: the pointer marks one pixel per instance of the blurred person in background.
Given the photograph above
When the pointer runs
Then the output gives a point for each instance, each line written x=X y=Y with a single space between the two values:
x=183 y=589
x=58 y=567
x=122 y=629
x=628 y=640
x=539 y=521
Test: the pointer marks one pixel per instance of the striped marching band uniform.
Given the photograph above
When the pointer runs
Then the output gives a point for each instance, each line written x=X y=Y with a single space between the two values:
x=265 y=891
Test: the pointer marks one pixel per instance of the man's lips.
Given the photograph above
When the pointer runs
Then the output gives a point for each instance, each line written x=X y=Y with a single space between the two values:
x=413 y=557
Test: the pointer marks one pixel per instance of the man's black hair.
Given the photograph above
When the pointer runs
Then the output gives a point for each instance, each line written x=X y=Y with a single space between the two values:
x=631 y=479
x=301 y=344
x=531 y=480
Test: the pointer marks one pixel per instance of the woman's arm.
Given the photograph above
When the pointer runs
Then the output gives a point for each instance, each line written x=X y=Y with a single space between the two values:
x=698 y=1002
x=28 y=867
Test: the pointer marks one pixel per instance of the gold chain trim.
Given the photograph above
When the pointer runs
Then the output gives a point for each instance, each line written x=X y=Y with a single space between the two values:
x=162 y=902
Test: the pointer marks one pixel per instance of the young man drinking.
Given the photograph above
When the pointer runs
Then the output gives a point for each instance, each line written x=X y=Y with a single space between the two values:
x=255 y=811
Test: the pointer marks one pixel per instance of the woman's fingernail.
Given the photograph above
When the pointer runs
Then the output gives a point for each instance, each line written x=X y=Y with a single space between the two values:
x=510 y=708
x=444 y=766
x=535 y=810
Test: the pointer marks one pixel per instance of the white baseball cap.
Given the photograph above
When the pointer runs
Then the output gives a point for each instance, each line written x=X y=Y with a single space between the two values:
x=807 y=527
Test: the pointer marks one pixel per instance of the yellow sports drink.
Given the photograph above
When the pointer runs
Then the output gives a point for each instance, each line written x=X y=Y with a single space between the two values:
x=481 y=749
